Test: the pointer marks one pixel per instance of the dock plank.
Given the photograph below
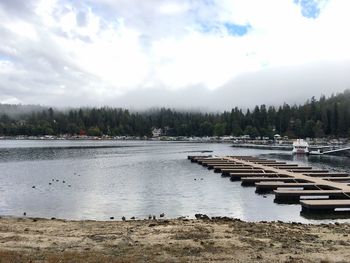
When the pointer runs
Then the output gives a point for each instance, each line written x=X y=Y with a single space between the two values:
x=319 y=206
x=251 y=181
x=239 y=176
x=289 y=195
x=263 y=187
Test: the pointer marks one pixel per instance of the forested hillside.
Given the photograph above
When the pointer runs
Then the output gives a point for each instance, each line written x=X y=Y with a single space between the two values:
x=316 y=118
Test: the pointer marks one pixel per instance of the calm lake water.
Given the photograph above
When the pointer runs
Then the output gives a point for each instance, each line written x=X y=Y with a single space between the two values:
x=134 y=178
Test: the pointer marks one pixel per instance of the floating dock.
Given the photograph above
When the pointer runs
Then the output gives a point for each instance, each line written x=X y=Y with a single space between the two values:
x=339 y=151
x=318 y=191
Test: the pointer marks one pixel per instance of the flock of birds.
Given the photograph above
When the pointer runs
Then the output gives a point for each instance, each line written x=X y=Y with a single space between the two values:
x=112 y=217
x=150 y=217
x=57 y=180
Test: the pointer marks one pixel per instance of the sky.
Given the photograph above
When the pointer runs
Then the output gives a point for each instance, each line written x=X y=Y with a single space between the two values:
x=197 y=54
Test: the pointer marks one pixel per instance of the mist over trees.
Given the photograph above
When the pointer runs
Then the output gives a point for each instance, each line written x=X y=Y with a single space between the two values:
x=16 y=111
x=323 y=117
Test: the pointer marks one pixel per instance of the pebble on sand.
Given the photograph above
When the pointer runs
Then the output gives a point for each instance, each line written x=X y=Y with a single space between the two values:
x=162 y=215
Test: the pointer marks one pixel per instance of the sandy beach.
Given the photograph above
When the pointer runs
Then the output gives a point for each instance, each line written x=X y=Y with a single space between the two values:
x=175 y=240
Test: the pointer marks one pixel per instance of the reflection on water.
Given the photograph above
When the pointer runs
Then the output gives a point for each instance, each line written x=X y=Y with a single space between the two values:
x=96 y=180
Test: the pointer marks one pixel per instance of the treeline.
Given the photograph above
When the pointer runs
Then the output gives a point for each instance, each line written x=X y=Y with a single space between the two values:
x=316 y=118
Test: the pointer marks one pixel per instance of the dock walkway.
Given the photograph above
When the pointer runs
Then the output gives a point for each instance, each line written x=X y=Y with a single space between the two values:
x=289 y=183
x=336 y=150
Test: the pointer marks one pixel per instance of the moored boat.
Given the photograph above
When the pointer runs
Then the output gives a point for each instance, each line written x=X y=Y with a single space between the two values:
x=300 y=147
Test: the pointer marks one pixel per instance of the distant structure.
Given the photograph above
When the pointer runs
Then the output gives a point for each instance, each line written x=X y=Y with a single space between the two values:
x=277 y=137
x=157 y=132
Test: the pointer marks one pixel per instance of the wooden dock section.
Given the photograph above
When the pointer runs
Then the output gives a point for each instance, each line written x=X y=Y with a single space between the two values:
x=316 y=190
x=322 y=206
x=266 y=187
x=251 y=181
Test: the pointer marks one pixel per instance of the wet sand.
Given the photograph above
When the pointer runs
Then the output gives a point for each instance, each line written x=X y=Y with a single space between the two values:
x=175 y=240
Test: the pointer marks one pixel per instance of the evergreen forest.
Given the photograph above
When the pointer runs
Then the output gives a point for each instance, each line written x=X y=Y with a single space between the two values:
x=323 y=117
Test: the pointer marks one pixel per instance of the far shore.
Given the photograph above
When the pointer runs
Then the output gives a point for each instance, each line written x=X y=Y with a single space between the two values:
x=171 y=240
x=240 y=141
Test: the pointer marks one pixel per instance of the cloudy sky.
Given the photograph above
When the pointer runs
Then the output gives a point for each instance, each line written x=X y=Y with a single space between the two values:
x=209 y=54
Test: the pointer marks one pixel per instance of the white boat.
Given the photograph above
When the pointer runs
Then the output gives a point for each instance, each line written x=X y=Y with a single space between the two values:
x=300 y=147
x=318 y=152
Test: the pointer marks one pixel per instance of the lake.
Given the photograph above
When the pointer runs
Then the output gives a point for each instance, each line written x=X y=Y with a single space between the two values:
x=102 y=179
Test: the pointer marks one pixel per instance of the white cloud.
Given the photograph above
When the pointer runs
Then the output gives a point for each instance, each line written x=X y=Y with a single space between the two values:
x=201 y=59
x=109 y=48
x=172 y=8
x=6 y=67
x=9 y=100
x=22 y=29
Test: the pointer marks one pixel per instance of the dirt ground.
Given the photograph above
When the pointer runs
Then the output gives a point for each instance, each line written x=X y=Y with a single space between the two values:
x=175 y=240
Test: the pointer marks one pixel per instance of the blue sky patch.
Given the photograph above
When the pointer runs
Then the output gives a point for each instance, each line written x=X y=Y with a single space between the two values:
x=231 y=28
x=236 y=29
x=309 y=8
x=4 y=57
x=208 y=28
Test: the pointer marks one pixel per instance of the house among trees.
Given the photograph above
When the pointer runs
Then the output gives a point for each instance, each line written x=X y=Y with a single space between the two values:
x=157 y=132
x=277 y=137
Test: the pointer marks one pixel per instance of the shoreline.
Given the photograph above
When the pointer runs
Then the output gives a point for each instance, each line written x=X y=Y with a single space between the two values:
x=219 y=239
x=239 y=143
